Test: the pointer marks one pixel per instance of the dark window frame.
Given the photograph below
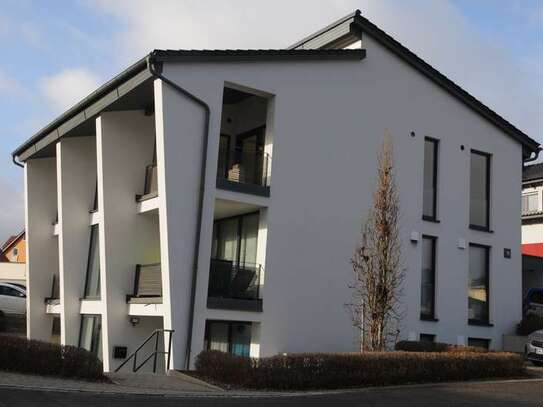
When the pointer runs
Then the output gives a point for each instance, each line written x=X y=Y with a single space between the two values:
x=427 y=337
x=94 y=318
x=487 y=340
x=431 y=317
x=230 y=324
x=93 y=229
x=483 y=228
x=435 y=169
x=239 y=231
x=227 y=137
x=482 y=322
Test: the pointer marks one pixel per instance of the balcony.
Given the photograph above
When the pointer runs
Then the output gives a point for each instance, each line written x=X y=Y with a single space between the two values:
x=243 y=170
x=52 y=303
x=150 y=189
x=234 y=286
x=147 y=285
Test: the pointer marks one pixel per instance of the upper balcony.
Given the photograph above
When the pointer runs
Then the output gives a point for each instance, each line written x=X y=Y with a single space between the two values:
x=243 y=170
x=244 y=160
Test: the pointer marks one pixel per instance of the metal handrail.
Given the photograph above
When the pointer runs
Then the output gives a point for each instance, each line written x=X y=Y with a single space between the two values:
x=155 y=353
x=235 y=163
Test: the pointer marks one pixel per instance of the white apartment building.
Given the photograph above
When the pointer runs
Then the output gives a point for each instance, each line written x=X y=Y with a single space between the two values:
x=220 y=194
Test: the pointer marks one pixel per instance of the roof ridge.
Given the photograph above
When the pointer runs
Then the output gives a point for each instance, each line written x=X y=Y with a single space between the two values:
x=442 y=80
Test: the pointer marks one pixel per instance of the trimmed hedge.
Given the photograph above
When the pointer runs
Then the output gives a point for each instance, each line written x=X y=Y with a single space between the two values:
x=42 y=358
x=336 y=371
x=421 y=346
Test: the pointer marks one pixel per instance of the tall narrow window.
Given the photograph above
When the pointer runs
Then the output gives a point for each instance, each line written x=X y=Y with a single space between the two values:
x=90 y=336
x=428 y=278
x=479 y=205
x=92 y=283
x=235 y=239
x=478 y=304
x=429 y=201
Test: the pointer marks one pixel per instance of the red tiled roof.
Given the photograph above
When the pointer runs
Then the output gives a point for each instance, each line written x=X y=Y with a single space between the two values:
x=532 y=249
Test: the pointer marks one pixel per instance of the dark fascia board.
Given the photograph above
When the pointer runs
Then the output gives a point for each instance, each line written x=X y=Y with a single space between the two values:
x=532 y=172
x=76 y=114
x=137 y=73
x=367 y=27
x=358 y=25
x=257 y=55
x=324 y=32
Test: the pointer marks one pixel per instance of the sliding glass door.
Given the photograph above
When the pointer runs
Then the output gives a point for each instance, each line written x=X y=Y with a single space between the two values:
x=235 y=239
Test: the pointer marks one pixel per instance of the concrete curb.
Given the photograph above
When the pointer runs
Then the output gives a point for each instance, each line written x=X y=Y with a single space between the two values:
x=253 y=394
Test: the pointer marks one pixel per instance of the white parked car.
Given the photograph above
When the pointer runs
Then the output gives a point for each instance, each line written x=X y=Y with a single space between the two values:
x=12 y=299
x=534 y=348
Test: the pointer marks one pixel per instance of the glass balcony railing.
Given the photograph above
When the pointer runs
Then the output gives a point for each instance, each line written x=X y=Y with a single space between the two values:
x=243 y=166
x=234 y=281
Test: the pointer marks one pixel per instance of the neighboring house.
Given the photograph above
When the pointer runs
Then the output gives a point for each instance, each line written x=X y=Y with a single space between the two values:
x=220 y=194
x=13 y=259
x=14 y=249
x=532 y=227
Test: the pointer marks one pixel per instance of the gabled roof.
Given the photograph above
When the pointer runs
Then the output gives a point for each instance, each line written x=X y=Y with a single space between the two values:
x=532 y=172
x=11 y=241
x=136 y=74
x=354 y=25
x=322 y=45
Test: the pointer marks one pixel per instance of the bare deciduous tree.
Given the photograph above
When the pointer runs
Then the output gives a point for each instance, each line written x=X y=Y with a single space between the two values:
x=377 y=262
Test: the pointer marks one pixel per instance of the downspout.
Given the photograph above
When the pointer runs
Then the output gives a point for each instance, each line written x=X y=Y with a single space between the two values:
x=535 y=157
x=156 y=74
x=17 y=163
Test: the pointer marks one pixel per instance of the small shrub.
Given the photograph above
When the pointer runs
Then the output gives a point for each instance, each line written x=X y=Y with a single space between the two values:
x=42 y=358
x=421 y=346
x=335 y=371
x=529 y=324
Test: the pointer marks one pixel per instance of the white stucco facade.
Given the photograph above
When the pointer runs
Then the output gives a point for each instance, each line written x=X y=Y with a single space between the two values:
x=323 y=123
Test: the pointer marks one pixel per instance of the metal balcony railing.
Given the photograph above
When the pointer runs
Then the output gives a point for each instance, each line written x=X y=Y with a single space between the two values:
x=244 y=166
x=151 y=180
x=236 y=281
x=147 y=281
x=55 y=291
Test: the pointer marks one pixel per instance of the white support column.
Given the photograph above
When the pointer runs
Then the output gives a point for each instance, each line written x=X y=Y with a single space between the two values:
x=180 y=124
x=124 y=148
x=76 y=169
x=41 y=244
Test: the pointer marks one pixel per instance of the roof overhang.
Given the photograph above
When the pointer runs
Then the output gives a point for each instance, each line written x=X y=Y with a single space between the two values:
x=131 y=79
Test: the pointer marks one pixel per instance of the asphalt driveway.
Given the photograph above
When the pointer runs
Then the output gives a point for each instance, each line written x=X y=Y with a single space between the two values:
x=489 y=394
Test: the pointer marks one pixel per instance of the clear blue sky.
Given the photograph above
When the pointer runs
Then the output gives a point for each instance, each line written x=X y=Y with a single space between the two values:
x=55 y=52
